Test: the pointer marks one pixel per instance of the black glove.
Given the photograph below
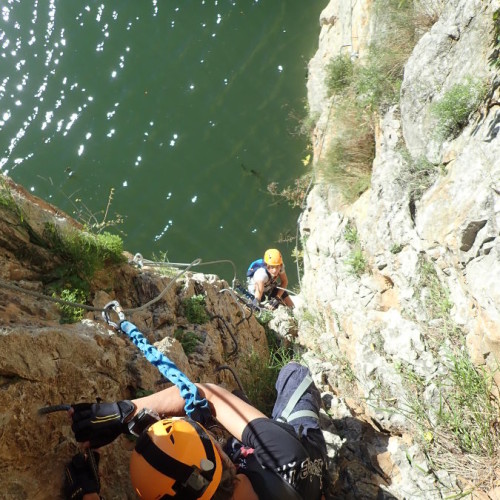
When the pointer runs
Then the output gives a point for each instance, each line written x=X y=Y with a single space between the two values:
x=274 y=303
x=82 y=476
x=101 y=423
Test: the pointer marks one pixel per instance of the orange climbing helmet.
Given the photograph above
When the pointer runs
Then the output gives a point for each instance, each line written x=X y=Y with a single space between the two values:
x=177 y=458
x=272 y=257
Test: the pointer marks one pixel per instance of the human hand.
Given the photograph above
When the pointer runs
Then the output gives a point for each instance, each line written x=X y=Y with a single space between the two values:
x=82 y=476
x=255 y=304
x=100 y=423
x=274 y=303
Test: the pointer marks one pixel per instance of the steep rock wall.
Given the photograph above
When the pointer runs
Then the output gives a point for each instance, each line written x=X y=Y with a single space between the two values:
x=366 y=328
x=43 y=362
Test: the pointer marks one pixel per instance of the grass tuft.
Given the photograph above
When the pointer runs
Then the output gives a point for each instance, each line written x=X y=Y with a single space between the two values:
x=194 y=309
x=188 y=340
x=470 y=409
x=69 y=313
x=260 y=376
x=420 y=174
x=453 y=109
x=83 y=253
x=357 y=262
x=348 y=160
x=356 y=259
x=340 y=72
x=378 y=80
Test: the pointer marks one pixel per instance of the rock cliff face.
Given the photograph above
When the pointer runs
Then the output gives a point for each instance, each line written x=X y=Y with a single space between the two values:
x=43 y=362
x=431 y=281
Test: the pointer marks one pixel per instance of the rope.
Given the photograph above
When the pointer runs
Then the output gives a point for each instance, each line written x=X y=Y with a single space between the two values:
x=302 y=207
x=165 y=290
x=224 y=322
x=45 y=410
x=353 y=54
x=233 y=295
x=236 y=378
x=38 y=295
x=140 y=261
x=320 y=151
x=286 y=290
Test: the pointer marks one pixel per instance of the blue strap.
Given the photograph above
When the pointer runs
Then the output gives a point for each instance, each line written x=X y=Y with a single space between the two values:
x=195 y=406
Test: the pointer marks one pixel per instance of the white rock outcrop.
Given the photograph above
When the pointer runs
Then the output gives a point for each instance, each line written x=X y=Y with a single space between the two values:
x=383 y=321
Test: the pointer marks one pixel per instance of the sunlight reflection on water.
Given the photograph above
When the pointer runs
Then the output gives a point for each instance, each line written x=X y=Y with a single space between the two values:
x=159 y=103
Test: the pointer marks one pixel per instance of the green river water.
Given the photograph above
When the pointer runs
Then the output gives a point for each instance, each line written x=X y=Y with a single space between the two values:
x=186 y=110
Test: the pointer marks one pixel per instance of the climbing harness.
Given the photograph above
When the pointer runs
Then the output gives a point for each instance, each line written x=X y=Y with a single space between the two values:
x=245 y=293
x=244 y=296
x=195 y=406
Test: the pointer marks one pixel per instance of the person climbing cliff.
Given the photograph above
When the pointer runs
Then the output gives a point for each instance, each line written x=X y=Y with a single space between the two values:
x=267 y=279
x=278 y=458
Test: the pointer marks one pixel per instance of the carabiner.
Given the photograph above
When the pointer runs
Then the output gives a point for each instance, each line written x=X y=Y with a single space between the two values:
x=114 y=307
x=138 y=260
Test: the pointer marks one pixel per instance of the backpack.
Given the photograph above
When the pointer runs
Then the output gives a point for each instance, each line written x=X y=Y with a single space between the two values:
x=256 y=264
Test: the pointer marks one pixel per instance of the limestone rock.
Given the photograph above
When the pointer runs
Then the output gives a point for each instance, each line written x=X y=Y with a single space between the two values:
x=426 y=243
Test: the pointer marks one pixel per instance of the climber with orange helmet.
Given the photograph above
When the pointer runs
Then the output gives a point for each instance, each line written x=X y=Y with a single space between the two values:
x=278 y=458
x=263 y=276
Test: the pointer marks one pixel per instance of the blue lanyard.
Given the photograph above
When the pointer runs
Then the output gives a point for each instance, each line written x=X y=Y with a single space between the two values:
x=195 y=406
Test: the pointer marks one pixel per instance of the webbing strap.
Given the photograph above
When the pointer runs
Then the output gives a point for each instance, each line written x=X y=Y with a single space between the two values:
x=302 y=413
x=195 y=406
x=161 y=461
x=286 y=414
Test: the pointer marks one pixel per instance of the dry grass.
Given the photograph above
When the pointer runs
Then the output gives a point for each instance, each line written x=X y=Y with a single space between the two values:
x=461 y=435
x=348 y=160
x=427 y=12
x=474 y=472
x=362 y=89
